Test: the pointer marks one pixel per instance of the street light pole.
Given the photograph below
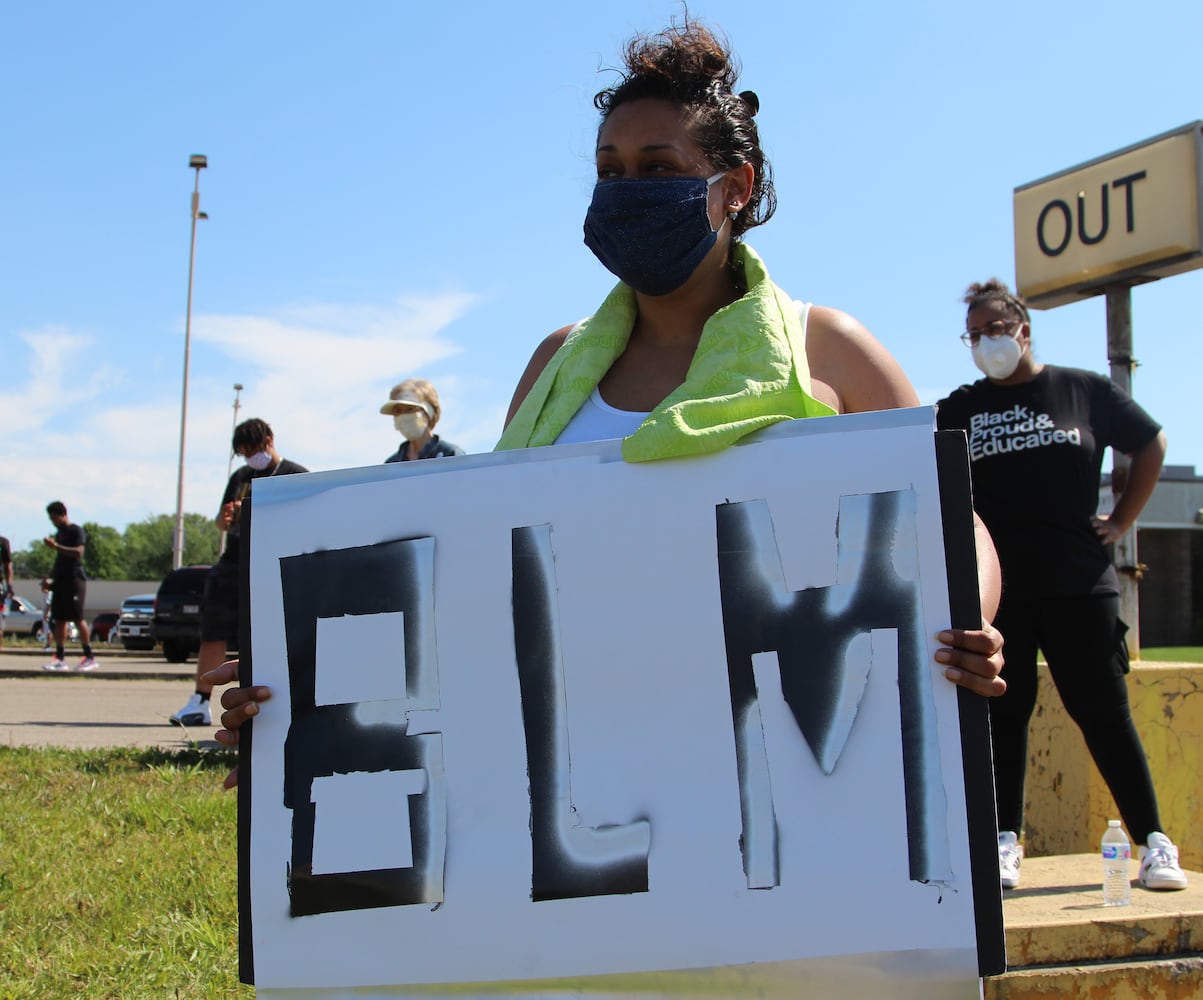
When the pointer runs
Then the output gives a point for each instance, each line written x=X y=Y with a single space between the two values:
x=197 y=163
x=221 y=545
x=237 y=404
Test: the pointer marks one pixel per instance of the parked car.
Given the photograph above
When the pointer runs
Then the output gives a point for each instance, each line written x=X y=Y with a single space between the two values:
x=103 y=624
x=22 y=617
x=136 y=626
x=177 y=612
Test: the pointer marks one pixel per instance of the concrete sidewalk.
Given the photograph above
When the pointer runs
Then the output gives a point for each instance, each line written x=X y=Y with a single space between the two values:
x=115 y=663
x=125 y=702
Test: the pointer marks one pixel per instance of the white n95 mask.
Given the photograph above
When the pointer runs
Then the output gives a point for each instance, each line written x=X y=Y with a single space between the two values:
x=997 y=357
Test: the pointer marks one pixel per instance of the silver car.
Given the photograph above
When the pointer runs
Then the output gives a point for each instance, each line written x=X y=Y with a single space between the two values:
x=23 y=617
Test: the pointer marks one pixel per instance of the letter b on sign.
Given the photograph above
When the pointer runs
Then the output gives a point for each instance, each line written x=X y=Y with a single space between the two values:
x=351 y=760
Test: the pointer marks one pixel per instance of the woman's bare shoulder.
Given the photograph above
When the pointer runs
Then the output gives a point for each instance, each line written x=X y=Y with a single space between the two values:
x=534 y=368
x=846 y=359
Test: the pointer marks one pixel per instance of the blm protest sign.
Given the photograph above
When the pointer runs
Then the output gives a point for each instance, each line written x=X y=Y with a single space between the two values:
x=548 y=723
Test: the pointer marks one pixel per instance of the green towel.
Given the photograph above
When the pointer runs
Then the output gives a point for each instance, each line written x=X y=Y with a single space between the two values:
x=749 y=371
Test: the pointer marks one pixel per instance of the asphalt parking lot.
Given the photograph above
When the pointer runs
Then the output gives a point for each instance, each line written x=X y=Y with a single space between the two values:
x=125 y=702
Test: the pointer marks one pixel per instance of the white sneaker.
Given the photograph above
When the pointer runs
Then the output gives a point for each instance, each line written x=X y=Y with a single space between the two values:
x=1010 y=854
x=56 y=664
x=194 y=713
x=86 y=664
x=1159 y=864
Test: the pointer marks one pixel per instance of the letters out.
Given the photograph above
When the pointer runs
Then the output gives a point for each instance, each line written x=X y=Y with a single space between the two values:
x=1058 y=222
x=818 y=639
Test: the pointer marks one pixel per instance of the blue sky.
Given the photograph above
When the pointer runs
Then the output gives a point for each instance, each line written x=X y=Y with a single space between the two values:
x=397 y=189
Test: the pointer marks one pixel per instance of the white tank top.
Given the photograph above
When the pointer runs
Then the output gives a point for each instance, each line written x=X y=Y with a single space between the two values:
x=597 y=420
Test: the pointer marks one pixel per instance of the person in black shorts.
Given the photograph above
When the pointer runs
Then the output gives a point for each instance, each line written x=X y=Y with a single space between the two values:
x=6 y=581
x=69 y=587
x=1036 y=436
x=254 y=442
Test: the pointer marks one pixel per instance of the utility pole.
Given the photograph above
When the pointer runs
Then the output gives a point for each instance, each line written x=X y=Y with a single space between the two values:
x=221 y=545
x=197 y=163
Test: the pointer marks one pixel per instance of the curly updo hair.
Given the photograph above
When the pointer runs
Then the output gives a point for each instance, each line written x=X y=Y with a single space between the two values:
x=982 y=293
x=693 y=67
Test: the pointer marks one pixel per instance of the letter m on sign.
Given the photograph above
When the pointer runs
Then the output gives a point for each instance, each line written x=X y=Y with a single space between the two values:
x=821 y=638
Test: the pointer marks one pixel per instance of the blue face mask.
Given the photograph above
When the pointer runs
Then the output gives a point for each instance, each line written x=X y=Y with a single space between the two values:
x=651 y=233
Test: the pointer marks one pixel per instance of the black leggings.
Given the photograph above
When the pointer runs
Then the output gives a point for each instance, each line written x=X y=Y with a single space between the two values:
x=1083 y=642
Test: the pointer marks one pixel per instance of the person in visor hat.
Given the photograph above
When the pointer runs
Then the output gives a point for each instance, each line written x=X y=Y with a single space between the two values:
x=414 y=407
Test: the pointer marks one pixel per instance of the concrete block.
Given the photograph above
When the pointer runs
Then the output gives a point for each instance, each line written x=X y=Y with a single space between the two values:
x=1063 y=943
x=1171 y=979
x=1068 y=805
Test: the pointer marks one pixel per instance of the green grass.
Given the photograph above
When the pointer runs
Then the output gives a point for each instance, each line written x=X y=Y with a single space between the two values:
x=117 y=874
x=13 y=642
x=1172 y=654
x=23 y=641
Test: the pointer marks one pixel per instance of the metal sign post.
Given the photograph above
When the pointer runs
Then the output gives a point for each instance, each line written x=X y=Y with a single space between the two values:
x=1119 y=356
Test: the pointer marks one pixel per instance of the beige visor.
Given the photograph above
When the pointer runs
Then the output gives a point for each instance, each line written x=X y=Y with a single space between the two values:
x=408 y=399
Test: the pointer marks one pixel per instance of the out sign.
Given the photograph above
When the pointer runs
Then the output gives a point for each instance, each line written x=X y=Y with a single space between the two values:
x=1131 y=215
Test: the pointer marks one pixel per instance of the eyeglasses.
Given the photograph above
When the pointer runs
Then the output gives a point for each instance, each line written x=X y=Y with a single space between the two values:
x=998 y=328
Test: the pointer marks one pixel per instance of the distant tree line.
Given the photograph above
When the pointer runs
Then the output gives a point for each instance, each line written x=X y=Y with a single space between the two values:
x=141 y=552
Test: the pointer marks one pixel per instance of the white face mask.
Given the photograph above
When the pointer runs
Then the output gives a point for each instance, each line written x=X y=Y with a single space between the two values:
x=259 y=461
x=410 y=425
x=997 y=357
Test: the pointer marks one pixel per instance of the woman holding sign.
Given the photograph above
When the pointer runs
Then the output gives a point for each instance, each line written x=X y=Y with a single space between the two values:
x=696 y=347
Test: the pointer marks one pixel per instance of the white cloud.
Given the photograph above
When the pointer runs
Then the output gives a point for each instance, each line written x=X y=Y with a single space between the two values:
x=320 y=371
x=107 y=443
x=55 y=384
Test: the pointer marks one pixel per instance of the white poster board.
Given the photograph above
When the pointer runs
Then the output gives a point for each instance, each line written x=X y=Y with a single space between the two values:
x=545 y=718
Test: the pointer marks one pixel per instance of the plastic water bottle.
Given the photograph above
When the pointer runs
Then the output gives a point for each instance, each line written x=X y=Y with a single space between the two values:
x=1117 y=866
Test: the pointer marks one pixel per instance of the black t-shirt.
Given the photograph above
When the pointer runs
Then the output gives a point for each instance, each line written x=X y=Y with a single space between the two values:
x=6 y=558
x=1036 y=454
x=238 y=488
x=67 y=568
